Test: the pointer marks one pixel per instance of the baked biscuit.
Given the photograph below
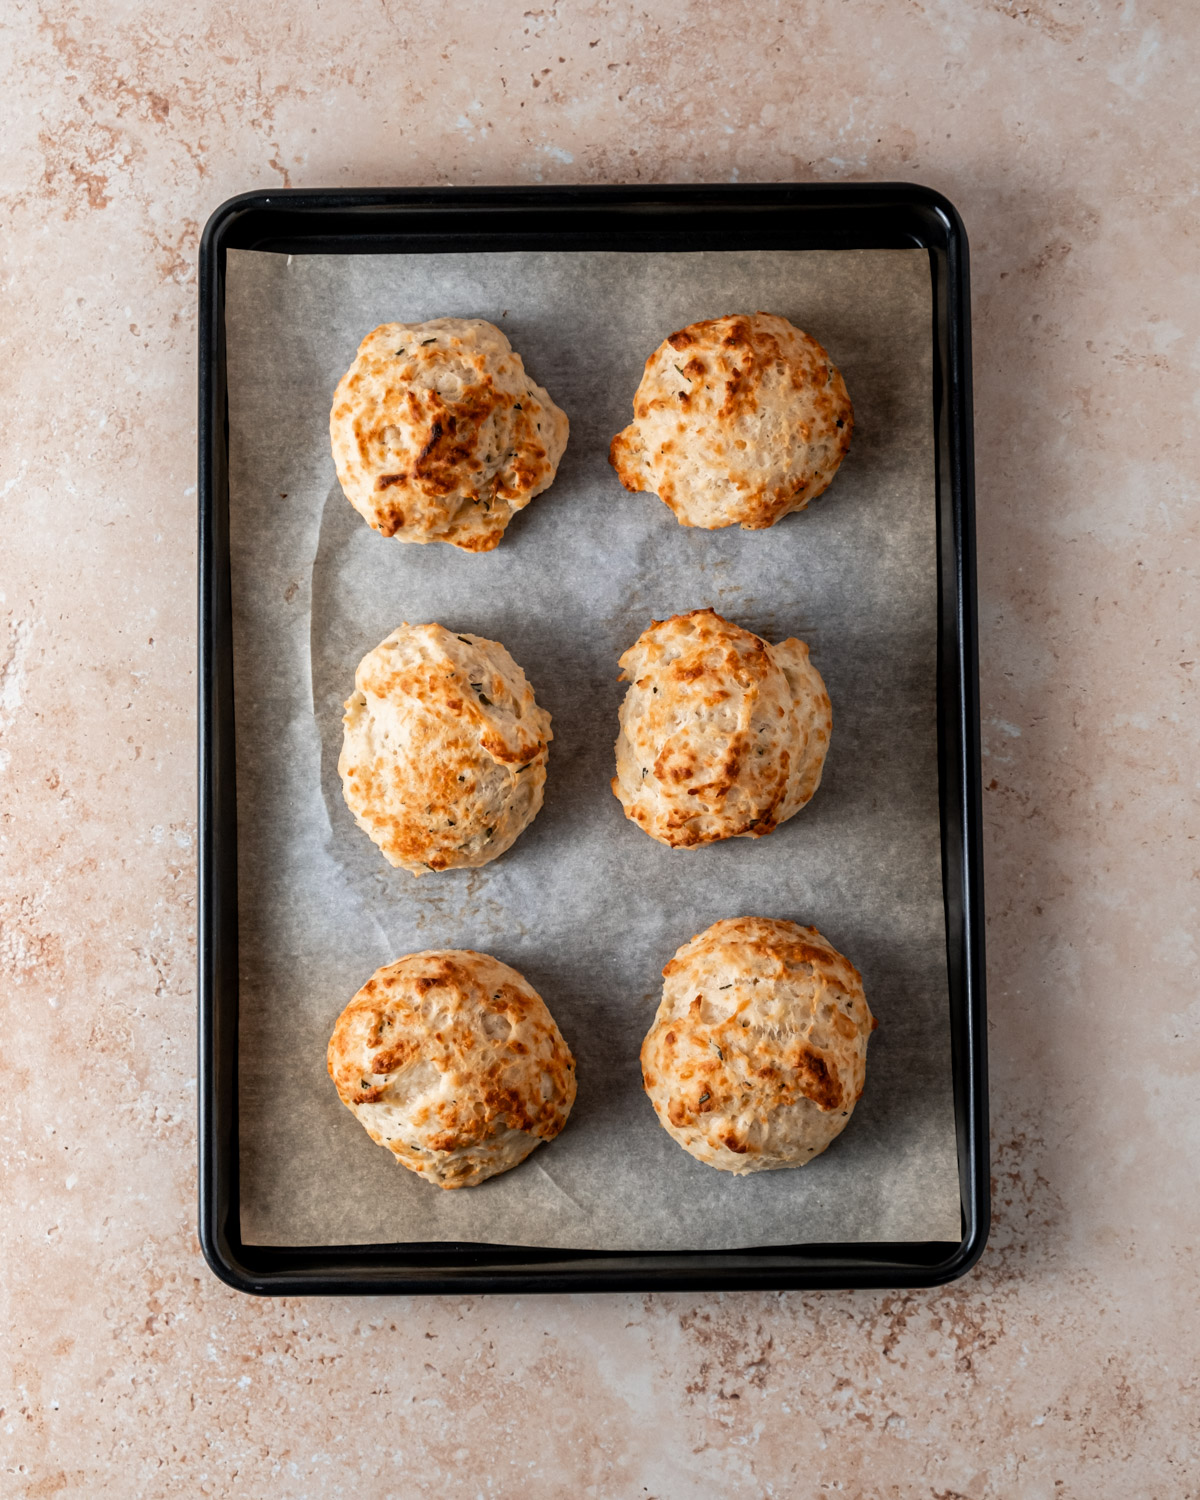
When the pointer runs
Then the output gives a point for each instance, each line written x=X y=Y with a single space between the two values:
x=737 y=421
x=722 y=735
x=758 y=1052
x=439 y=435
x=451 y=1060
x=444 y=753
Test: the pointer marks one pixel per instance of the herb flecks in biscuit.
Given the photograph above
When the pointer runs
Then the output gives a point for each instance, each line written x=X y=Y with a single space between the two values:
x=722 y=735
x=758 y=1053
x=737 y=421
x=451 y=1060
x=439 y=435
x=443 y=759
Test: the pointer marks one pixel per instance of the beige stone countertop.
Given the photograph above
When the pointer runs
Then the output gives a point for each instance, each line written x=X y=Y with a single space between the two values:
x=1065 y=1365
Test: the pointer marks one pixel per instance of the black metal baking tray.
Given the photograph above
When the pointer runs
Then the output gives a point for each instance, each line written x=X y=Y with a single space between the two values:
x=803 y=216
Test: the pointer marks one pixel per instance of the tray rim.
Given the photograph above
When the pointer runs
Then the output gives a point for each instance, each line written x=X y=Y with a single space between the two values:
x=837 y=215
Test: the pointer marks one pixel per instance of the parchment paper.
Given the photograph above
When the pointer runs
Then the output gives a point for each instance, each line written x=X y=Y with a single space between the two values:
x=585 y=905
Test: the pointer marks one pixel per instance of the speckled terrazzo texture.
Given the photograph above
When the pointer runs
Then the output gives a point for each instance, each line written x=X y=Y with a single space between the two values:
x=1065 y=1365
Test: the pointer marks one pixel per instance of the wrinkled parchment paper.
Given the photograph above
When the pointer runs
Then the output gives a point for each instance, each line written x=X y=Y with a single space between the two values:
x=585 y=905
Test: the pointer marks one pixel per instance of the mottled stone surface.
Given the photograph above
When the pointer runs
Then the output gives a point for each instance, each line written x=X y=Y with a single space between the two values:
x=1066 y=1364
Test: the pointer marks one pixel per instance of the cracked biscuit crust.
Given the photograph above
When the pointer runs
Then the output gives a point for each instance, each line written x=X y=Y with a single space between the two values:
x=722 y=735
x=451 y=1061
x=444 y=751
x=737 y=421
x=758 y=1052
x=439 y=435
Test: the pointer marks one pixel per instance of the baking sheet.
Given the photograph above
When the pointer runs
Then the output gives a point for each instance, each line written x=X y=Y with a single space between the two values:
x=584 y=904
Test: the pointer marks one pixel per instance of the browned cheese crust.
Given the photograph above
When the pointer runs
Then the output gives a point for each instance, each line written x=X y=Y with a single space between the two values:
x=722 y=735
x=451 y=1061
x=757 y=1055
x=737 y=421
x=439 y=435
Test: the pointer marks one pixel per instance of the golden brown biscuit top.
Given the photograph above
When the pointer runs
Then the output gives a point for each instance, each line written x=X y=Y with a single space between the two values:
x=439 y=434
x=722 y=735
x=444 y=755
x=448 y=1054
x=737 y=421
x=757 y=1014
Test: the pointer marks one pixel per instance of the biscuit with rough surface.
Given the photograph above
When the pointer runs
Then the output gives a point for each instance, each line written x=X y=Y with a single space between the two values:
x=444 y=752
x=451 y=1060
x=722 y=735
x=737 y=421
x=439 y=435
x=758 y=1053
